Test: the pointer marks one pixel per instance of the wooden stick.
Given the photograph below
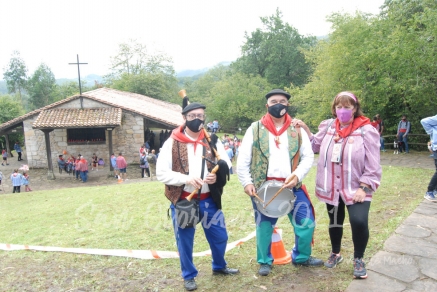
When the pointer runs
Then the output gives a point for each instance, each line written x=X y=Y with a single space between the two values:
x=280 y=190
x=255 y=195
x=190 y=196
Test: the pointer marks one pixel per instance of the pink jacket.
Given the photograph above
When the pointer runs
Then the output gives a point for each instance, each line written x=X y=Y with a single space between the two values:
x=121 y=162
x=359 y=163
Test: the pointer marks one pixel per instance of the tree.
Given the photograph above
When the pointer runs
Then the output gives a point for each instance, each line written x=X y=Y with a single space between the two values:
x=42 y=87
x=238 y=100
x=135 y=70
x=387 y=60
x=15 y=74
x=274 y=52
x=10 y=109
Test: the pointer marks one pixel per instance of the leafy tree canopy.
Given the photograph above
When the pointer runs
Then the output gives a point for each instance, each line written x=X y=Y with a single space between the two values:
x=42 y=87
x=274 y=52
x=15 y=74
x=136 y=70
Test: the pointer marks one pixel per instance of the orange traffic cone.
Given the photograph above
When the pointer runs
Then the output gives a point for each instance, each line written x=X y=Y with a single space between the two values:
x=280 y=255
x=120 y=180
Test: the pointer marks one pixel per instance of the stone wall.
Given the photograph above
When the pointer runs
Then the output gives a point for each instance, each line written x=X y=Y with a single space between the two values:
x=126 y=139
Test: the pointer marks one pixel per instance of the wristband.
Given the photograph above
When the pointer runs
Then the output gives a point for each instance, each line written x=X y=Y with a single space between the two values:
x=366 y=189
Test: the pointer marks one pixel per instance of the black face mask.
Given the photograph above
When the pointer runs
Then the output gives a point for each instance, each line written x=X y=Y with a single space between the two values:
x=195 y=125
x=278 y=110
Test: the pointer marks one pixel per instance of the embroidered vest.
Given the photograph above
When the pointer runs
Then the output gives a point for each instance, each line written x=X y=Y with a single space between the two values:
x=260 y=152
x=180 y=164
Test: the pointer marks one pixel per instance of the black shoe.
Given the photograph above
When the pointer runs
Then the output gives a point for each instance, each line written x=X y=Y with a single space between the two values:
x=264 y=269
x=225 y=271
x=310 y=262
x=190 y=285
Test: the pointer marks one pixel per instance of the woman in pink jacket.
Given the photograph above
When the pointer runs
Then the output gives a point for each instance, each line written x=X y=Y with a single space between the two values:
x=348 y=172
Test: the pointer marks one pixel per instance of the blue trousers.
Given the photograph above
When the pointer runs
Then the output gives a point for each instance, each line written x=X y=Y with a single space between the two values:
x=84 y=175
x=302 y=220
x=381 y=141
x=405 y=140
x=213 y=223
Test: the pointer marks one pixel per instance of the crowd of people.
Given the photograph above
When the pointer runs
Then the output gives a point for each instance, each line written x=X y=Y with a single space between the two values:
x=18 y=179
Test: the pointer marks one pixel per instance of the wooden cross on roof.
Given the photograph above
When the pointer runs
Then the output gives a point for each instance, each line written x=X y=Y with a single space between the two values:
x=78 y=73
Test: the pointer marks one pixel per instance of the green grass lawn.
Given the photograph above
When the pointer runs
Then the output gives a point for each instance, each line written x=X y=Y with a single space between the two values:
x=134 y=216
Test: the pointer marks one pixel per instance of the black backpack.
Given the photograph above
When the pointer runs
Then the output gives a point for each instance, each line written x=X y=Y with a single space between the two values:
x=143 y=160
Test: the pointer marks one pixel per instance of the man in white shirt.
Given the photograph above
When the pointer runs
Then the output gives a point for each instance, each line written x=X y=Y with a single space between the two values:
x=183 y=169
x=272 y=149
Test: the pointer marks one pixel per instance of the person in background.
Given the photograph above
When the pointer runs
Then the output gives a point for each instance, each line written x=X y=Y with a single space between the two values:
x=230 y=155
x=94 y=162
x=114 y=164
x=152 y=140
x=161 y=138
x=1 y=178
x=404 y=127
x=16 y=179
x=430 y=126
x=77 y=167
x=17 y=148
x=144 y=165
x=61 y=163
x=121 y=165
x=5 y=157
x=348 y=173
x=83 y=166
x=151 y=159
x=25 y=182
x=142 y=149
x=375 y=123
x=381 y=130
x=215 y=126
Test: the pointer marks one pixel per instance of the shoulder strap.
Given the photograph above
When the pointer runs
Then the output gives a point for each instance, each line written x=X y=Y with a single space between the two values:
x=297 y=155
x=202 y=172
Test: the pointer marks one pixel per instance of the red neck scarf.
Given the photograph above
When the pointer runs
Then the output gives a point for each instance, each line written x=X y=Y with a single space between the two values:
x=345 y=132
x=267 y=121
x=179 y=135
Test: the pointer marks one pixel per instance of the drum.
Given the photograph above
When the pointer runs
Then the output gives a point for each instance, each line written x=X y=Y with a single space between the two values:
x=281 y=205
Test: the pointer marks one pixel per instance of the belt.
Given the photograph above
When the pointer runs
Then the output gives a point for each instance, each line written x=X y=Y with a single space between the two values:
x=275 y=178
x=203 y=196
x=298 y=185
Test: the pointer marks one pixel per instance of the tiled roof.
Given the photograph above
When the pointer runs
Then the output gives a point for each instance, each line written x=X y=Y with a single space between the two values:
x=78 y=118
x=154 y=109
x=157 y=110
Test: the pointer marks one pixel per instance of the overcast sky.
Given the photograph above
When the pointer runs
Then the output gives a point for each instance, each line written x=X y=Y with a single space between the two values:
x=196 y=34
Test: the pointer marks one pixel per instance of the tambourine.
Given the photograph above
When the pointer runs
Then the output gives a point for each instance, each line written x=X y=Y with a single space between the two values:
x=281 y=205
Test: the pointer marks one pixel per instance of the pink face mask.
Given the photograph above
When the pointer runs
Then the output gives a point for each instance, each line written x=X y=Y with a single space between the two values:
x=344 y=114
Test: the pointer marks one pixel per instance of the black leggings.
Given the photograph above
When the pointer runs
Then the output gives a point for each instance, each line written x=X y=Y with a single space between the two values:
x=433 y=182
x=359 y=220
x=145 y=170
x=16 y=189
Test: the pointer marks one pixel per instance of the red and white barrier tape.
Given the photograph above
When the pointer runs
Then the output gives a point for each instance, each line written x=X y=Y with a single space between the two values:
x=139 y=254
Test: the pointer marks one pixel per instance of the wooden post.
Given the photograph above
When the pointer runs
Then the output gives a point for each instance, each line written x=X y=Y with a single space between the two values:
x=8 y=150
x=111 y=169
x=50 y=174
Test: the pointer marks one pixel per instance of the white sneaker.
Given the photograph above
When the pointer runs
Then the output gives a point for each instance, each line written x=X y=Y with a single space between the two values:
x=430 y=197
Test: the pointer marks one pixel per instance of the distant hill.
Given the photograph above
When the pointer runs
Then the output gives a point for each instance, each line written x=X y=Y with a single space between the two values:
x=191 y=73
x=89 y=79
x=198 y=72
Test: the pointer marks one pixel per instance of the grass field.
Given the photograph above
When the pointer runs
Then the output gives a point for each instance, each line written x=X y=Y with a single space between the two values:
x=134 y=216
